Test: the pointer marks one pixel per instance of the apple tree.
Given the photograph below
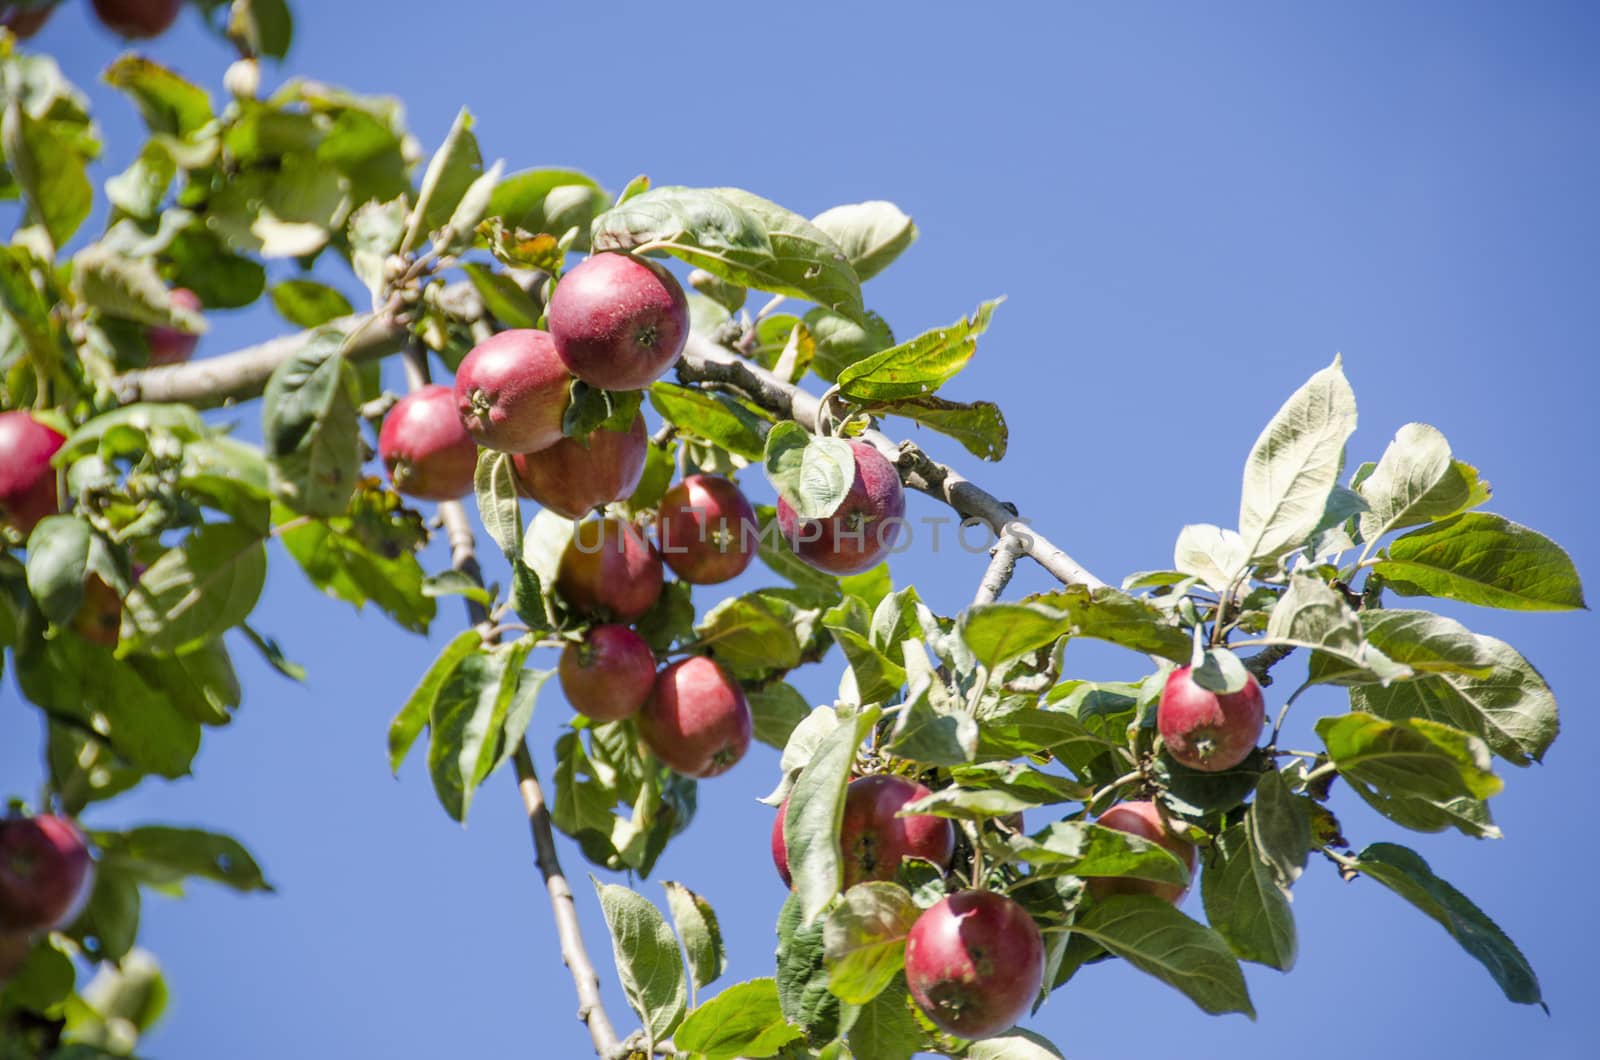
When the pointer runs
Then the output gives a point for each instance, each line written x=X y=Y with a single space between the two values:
x=965 y=828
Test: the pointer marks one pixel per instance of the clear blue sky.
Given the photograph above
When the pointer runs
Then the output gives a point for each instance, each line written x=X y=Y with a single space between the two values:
x=1191 y=208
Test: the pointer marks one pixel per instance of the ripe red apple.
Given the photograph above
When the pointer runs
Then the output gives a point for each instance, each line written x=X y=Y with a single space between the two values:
x=573 y=478
x=1207 y=731
x=974 y=963
x=696 y=719
x=138 y=19
x=27 y=481
x=707 y=530
x=44 y=866
x=619 y=321
x=99 y=617
x=174 y=345
x=512 y=391
x=609 y=676
x=873 y=840
x=610 y=569
x=1143 y=819
x=24 y=21
x=862 y=529
x=428 y=452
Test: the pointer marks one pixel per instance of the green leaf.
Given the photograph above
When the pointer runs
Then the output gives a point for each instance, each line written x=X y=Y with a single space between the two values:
x=738 y=236
x=864 y=939
x=917 y=367
x=1216 y=556
x=109 y=925
x=1313 y=615
x=309 y=304
x=1014 y=1045
x=1154 y=937
x=353 y=560
x=467 y=718
x=166 y=101
x=776 y=710
x=752 y=636
x=816 y=812
x=1081 y=848
x=1415 y=482
x=871 y=234
x=648 y=960
x=979 y=426
x=813 y=473
x=139 y=190
x=206 y=585
x=803 y=994
x=58 y=563
x=418 y=708
x=934 y=726
x=44 y=980
x=885 y=1028
x=129 y=289
x=503 y=296
x=1279 y=829
x=311 y=427
x=1000 y=633
x=495 y=485
x=1485 y=559
x=451 y=170
x=463 y=223
x=550 y=201
x=1245 y=905
x=200 y=682
x=744 y=1020
x=713 y=417
x=702 y=938
x=49 y=159
x=1295 y=464
x=1406 y=874
x=1418 y=773
x=161 y=856
x=265 y=26
x=1112 y=615
x=1508 y=706
x=840 y=341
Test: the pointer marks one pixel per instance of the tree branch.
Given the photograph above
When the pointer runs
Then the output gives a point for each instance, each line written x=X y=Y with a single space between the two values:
x=998 y=574
x=563 y=906
x=706 y=362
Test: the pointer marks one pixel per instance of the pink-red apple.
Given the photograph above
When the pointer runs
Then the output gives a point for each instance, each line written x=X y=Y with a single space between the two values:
x=873 y=839
x=863 y=529
x=707 y=530
x=974 y=963
x=780 y=846
x=1205 y=730
x=24 y=21
x=44 y=867
x=1143 y=819
x=573 y=477
x=428 y=452
x=138 y=19
x=27 y=481
x=609 y=675
x=610 y=570
x=619 y=321
x=512 y=391
x=696 y=720
x=169 y=345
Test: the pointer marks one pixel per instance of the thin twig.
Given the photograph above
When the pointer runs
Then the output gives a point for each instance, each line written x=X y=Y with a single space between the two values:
x=998 y=574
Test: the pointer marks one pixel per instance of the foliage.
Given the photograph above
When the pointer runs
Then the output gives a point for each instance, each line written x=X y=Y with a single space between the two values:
x=183 y=521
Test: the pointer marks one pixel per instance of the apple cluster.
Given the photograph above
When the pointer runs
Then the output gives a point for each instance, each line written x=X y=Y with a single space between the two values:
x=45 y=877
x=132 y=19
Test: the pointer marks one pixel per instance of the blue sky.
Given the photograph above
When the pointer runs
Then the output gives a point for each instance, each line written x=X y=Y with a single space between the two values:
x=1191 y=208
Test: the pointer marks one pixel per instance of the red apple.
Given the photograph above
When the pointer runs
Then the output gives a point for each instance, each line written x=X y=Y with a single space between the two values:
x=573 y=478
x=1143 y=819
x=138 y=19
x=27 y=481
x=174 y=345
x=873 y=840
x=619 y=321
x=44 y=867
x=864 y=526
x=428 y=452
x=610 y=569
x=99 y=617
x=974 y=963
x=696 y=719
x=512 y=391
x=24 y=21
x=707 y=530
x=609 y=676
x=1207 y=731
